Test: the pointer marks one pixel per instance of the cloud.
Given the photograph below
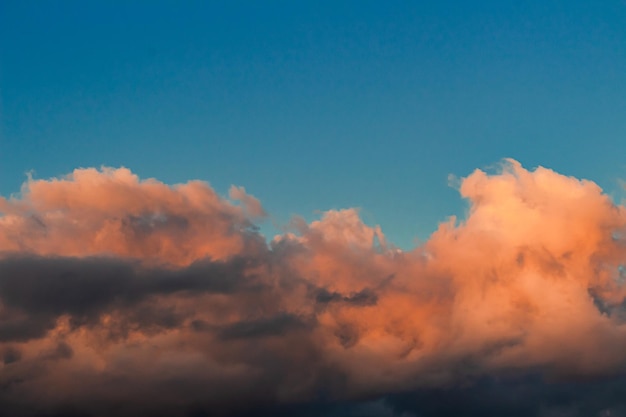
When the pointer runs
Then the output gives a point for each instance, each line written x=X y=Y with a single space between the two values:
x=121 y=296
x=112 y=212
x=251 y=205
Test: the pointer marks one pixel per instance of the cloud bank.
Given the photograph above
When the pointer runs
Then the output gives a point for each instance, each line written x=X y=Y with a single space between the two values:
x=121 y=296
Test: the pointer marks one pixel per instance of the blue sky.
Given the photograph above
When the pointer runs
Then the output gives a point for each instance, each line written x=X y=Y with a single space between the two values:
x=315 y=105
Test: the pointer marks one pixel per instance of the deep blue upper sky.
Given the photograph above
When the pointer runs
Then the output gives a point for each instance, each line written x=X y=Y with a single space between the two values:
x=315 y=105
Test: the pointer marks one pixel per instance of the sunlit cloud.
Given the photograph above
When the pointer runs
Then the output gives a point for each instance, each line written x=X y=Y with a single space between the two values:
x=136 y=297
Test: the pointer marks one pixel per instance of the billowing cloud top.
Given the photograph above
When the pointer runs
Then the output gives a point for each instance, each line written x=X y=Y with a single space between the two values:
x=127 y=297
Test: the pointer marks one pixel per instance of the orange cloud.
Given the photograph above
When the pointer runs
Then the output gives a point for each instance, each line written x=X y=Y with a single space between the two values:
x=112 y=212
x=104 y=277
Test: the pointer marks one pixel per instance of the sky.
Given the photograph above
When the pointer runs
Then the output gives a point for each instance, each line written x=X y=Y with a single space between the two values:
x=378 y=101
x=312 y=208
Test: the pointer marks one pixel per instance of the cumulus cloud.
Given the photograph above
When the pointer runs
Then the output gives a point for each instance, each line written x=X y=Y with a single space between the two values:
x=121 y=296
x=112 y=212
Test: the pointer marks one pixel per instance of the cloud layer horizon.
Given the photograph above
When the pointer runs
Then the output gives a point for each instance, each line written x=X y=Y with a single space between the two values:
x=121 y=296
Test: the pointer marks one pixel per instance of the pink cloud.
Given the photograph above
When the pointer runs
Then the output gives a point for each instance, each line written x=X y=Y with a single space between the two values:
x=146 y=283
x=251 y=205
x=112 y=212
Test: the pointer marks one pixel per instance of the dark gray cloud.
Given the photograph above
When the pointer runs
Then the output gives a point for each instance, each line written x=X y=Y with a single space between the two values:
x=521 y=396
x=278 y=325
x=365 y=297
x=34 y=291
x=283 y=371
x=18 y=326
x=10 y=355
x=529 y=395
